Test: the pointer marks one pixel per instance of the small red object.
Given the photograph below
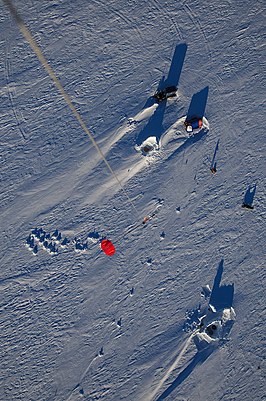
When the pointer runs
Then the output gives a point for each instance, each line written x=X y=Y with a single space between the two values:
x=146 y=218
x=108 y=247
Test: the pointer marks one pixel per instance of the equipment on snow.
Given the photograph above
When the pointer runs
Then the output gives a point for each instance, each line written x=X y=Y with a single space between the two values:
x=193 y=123
x=108 y=247
x=247 y=206
x=163 y=94
x=145 y=219
x=213 y=169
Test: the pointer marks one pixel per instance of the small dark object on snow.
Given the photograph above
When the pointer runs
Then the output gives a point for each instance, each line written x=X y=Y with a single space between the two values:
x=55 y=234
x=247 y=206
x=59 y=237
x=42 y=238
x=147 y=148
x=209 y=331
x=213 y=170
x=65 y=241
x=163 y=94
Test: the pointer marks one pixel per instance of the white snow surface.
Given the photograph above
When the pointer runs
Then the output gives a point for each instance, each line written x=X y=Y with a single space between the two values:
x=75 y=323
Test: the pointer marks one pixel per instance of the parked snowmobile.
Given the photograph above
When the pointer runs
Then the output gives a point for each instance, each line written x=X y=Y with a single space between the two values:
x=165 y=93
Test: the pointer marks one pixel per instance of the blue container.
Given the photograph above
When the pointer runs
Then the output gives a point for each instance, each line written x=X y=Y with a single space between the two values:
x=195 y=124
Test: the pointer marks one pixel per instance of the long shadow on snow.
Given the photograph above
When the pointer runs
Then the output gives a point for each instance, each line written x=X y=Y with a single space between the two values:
x=213 y=162
x=196 y=109
x=175 y=67
x=171 y=80
x=198 y=359
x=198 y=104
x=221 y=295
x=174 y=72
x=249 y=196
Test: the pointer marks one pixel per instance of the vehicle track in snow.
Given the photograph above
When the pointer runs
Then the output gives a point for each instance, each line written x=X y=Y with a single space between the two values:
x=164 y=11
x=209 y=51
x=192 y=15
x=218 y=81
x=79 y=385
x=128 y=21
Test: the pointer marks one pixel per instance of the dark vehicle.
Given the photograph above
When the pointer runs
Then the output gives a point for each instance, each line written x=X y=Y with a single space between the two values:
x=193 y=123
x=163 y=94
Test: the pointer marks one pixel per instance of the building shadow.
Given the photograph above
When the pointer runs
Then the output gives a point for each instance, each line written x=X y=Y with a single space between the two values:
x=198 y=104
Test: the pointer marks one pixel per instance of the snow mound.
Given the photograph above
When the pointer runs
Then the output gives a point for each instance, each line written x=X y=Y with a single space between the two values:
x=215 y=327
x=206 y=291
x=148 y=147
x=144 y=114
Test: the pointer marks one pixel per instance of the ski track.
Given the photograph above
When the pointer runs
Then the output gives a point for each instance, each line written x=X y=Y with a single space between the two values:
x=196 y=21
x=171 y=368
x=10 y=90
x=174 y=24
x=128 y=21
x=81 y=379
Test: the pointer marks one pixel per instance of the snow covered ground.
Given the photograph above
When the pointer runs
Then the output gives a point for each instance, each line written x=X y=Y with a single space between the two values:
x=75 y=323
